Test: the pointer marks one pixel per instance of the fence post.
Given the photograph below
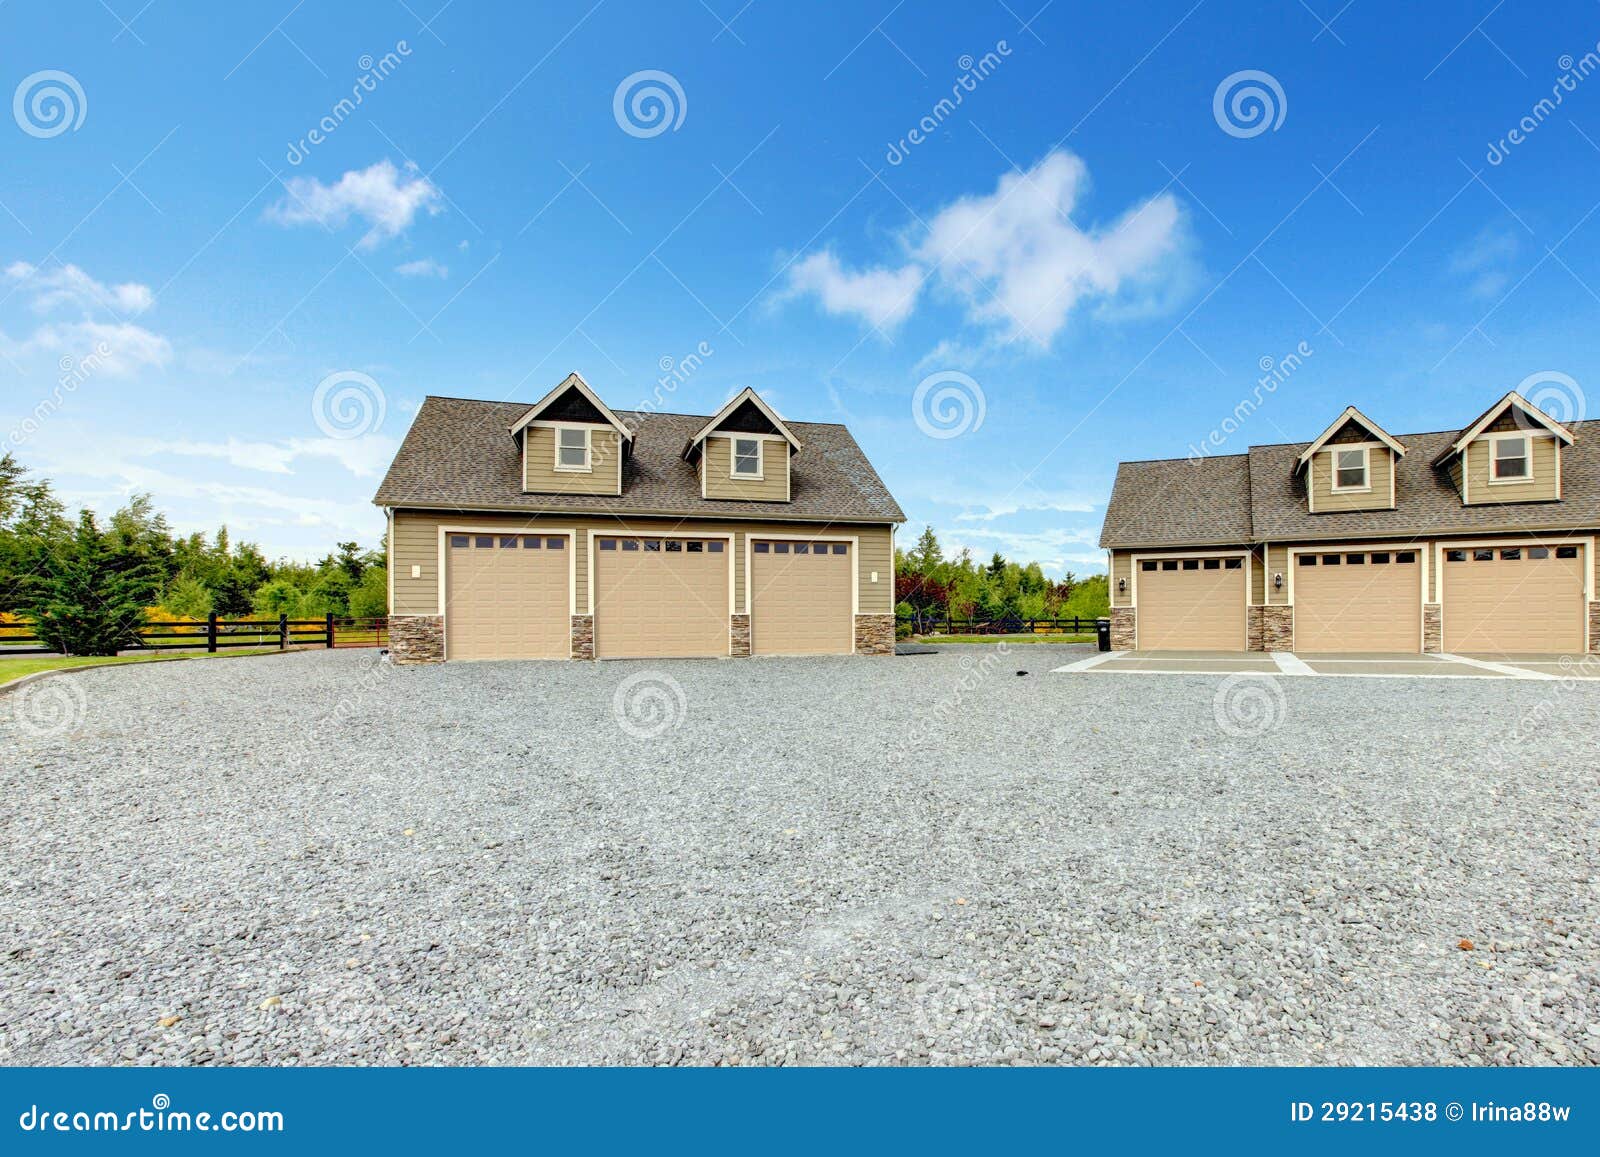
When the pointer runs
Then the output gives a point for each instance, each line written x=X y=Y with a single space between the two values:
x=330 y=630
x=283 y=632
x=211 y=633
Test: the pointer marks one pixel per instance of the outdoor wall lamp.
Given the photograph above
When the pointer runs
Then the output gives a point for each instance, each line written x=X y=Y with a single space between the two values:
x=1277 y=581
x=1122 y=586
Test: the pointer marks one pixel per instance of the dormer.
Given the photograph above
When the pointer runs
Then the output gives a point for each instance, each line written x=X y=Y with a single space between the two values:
x=1351 y=466
x=743 y=452
x=1512 y=453
x=571 y=443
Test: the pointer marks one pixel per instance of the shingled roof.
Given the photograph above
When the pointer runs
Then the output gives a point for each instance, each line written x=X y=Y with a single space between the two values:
x=1260 y=497
x=460 y=455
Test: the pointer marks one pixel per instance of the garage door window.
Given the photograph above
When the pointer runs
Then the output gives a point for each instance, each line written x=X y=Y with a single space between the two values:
x=802 y=548
x=458 y=540
x=714 y=546
x=1147 y=566
x=1566 y=552
x=1330 y=560
x=608 y=544
x=1539 y=552
x=1170 y=565
x=1455 y=556
x=630 y=544
x=1483 y=556
x=1308 y=560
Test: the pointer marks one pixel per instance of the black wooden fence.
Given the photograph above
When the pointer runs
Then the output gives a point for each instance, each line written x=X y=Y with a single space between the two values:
x=218 y=634
x=933 y=624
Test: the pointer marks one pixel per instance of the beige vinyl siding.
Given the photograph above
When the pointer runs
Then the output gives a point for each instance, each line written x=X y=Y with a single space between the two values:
x=1543 y=487
x=1380 y=474
x=1453 y=468
x=416 y=543
x=1277 y=563
x=539 y=475
x=1121 y=569
x=773 y=485
x=1258 y=576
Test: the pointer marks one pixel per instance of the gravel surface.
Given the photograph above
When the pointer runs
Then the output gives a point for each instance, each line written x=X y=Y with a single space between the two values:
x=318 y=859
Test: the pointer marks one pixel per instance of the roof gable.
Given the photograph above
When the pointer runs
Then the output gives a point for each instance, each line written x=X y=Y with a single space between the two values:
x=1528 y=416
x=572 y=401
x=745 y=413
x=1350 y=416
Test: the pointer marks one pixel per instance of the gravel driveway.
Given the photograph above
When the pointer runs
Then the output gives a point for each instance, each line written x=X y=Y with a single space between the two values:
x=315 y=858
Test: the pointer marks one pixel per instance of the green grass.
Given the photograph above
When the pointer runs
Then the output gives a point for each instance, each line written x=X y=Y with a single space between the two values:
x=16 y=668
x=934 y=640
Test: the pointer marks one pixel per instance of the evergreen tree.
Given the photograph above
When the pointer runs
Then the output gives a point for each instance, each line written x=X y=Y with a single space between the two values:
x=91 y=590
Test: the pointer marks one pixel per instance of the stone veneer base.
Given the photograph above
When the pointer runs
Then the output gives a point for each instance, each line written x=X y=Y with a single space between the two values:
x=1123 y=628
x=416 y=638
x=874 y=634
x=739 y=636
x=1594 y=627
x=1432 y=628
x=1277 y=628
x=583 y=636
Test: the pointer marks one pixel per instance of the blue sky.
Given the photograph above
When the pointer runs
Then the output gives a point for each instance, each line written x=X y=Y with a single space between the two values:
x=1083 y=246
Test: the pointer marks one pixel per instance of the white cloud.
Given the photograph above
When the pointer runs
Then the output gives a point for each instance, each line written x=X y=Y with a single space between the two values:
x=365 y=457
x=1485 y=261
x=1015 y=258
x=70 y=285
x=883 y=297
x=1034 y=500
x=115 y=349
x=424 y=267
x=386 y=198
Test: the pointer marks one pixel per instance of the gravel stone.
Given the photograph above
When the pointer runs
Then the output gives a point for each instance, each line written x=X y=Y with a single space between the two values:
x=325 y=859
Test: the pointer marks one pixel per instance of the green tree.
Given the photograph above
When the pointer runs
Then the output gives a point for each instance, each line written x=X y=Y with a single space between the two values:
x=91 y=590
x=369 y=599
x=186 y=597
x=278 y=597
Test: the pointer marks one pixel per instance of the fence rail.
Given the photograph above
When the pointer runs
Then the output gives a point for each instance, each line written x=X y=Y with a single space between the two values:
x=1006 y=625
x=214 y=634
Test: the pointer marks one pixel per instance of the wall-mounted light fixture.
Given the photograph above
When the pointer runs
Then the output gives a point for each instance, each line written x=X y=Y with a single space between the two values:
x=1122 y=586
x=1277 y=581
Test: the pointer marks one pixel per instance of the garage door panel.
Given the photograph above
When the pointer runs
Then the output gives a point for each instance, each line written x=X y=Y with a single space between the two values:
x=802 y=597
x=660 y=597
x=1358 y=601
x=508 y=596
x=1512 y=600
x=1191 y=604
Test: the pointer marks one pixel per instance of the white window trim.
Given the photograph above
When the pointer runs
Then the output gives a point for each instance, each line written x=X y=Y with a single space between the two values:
x=761 y=457
x=1494 y=441
x=588 y=451
x=1366 y=470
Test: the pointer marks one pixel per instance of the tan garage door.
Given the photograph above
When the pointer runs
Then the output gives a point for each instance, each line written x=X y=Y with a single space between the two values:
x=508 y=596
x=800 y=598
x=661 y=598
x=1514 y=600
x=1358 y=601
x=1193 y=604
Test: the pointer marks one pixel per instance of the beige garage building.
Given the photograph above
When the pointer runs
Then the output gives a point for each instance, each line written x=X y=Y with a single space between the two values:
x=566 y=529
x=1479 y=541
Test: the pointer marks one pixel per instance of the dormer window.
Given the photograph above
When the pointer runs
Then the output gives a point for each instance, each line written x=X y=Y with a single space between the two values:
x=747 y=457
x=1509 y=461
x=1350 y=469
x=572 y=449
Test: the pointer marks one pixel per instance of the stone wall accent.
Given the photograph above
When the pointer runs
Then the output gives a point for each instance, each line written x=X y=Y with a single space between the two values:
x=1594 y=628
x=874 y=634
x=583 y=636
x=1433 y=627
x=739 y=625
x=1277 y=628
x=416 y=638
x=1122 y=628
x=1254 y=639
